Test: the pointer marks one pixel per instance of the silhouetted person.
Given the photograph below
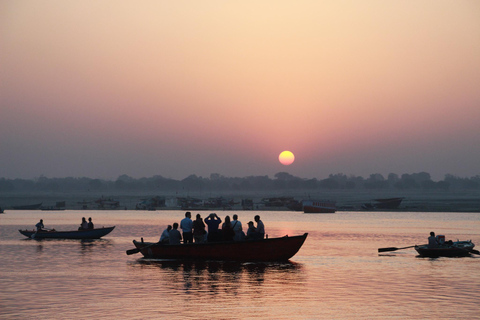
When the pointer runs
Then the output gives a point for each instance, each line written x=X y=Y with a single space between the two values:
x=90 y=224
x=83 y=225
x=186 y=225
x=237 y=228
x=260 y=228
x=40 y=226
x=174 y=235
x=213 y=221
x=227 y=230
x=251 y=231
x=432 y=240
x=165 y=237
x=199 y=229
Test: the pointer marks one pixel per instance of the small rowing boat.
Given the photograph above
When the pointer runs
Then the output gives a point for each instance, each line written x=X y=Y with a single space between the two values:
x=447 y=249
x=77 y=234
x=265 y=250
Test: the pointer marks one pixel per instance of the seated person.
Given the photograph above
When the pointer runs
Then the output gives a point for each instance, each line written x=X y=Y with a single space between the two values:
x=432 y=240
x=83 y=225
x=251 y=231
x=90 y=224
x=174 y=235
x=40 y=226
x=165 y=237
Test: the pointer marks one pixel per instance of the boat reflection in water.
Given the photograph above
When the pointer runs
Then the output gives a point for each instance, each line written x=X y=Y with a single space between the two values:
x=214 y=276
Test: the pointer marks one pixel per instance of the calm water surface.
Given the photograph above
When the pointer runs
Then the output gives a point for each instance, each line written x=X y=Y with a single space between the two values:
x=337 y=274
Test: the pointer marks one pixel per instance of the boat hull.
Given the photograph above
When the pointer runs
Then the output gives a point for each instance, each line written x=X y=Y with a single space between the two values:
x=273 y=249
x=79 y=234
x=458 y=249
x=28 y=207
x=312 y=206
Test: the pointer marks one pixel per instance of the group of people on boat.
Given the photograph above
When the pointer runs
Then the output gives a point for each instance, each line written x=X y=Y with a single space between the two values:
x=211 y=229
x=84 y=225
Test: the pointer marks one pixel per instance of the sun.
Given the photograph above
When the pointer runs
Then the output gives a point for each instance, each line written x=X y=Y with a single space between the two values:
x=286 y=158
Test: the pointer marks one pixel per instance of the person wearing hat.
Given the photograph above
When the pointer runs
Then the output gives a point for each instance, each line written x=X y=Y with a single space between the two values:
x=213 y=221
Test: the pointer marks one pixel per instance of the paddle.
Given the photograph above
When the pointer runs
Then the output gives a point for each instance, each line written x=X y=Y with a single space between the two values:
x=393 y=249
x=474 y=251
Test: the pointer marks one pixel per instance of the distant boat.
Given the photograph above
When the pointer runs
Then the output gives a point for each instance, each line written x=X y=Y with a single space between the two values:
x=76 y=234
x=60 y=205
x=28 y=207
x=271 y=249
x=319 y=206
x=386 y=203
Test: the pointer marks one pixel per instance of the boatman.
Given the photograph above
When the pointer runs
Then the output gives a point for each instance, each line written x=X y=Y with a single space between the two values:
x=186 y=225
x=432 y=240
x=40 y=225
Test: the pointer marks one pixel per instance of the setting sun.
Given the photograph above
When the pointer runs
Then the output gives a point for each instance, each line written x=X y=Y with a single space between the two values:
x=286 y=158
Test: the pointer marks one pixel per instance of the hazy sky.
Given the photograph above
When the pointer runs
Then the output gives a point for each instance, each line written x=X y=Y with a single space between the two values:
x=173 y=88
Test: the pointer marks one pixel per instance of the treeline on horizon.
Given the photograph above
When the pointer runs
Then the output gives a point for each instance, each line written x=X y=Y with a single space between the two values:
x=217 y=182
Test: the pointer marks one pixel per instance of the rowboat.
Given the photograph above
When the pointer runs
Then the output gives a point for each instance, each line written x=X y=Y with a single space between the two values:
x=263 y=250
x=77 y=234
x=448 y=249
x=319 y=206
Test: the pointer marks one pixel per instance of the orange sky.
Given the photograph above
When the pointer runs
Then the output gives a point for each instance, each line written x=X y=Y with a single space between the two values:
x=104 y=88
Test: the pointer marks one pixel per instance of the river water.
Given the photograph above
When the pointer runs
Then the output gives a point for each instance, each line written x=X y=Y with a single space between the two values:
x=337 y=274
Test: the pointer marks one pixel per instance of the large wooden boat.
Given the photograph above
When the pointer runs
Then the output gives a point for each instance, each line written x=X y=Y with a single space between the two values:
x=77 y=234
x=319 y=206
x=448 y=249
x=272 y=249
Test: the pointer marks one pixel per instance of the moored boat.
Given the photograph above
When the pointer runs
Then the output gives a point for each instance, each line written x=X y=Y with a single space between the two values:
x=319 y=206
x=447 y=249
x=76 y=234
x=28 y=206
x=264 y=250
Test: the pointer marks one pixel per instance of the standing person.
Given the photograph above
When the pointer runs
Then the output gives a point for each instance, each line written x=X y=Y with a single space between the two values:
x=90 y=223
x=237 y=228
x=186 y=225
x=199 y=229
x=174 y=235
x=260 y=227
x=227 y=230
x=213 y=221
x=164 y=238
x=432 y=240
x=83 y=225
x=40 y=226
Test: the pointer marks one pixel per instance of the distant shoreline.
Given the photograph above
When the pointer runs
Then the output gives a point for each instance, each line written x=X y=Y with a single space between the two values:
x=346 y=200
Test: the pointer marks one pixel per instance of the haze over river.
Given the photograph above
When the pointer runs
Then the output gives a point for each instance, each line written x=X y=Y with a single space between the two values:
x=337 y=274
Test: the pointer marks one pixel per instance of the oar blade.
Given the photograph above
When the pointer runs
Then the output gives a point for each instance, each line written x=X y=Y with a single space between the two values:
x=133 y=251
x=474 y=251
x=387 y=249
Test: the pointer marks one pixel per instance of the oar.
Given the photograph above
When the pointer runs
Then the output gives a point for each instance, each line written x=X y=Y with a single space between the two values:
x=133 y=251
x=474 y=251
x=393 y=249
